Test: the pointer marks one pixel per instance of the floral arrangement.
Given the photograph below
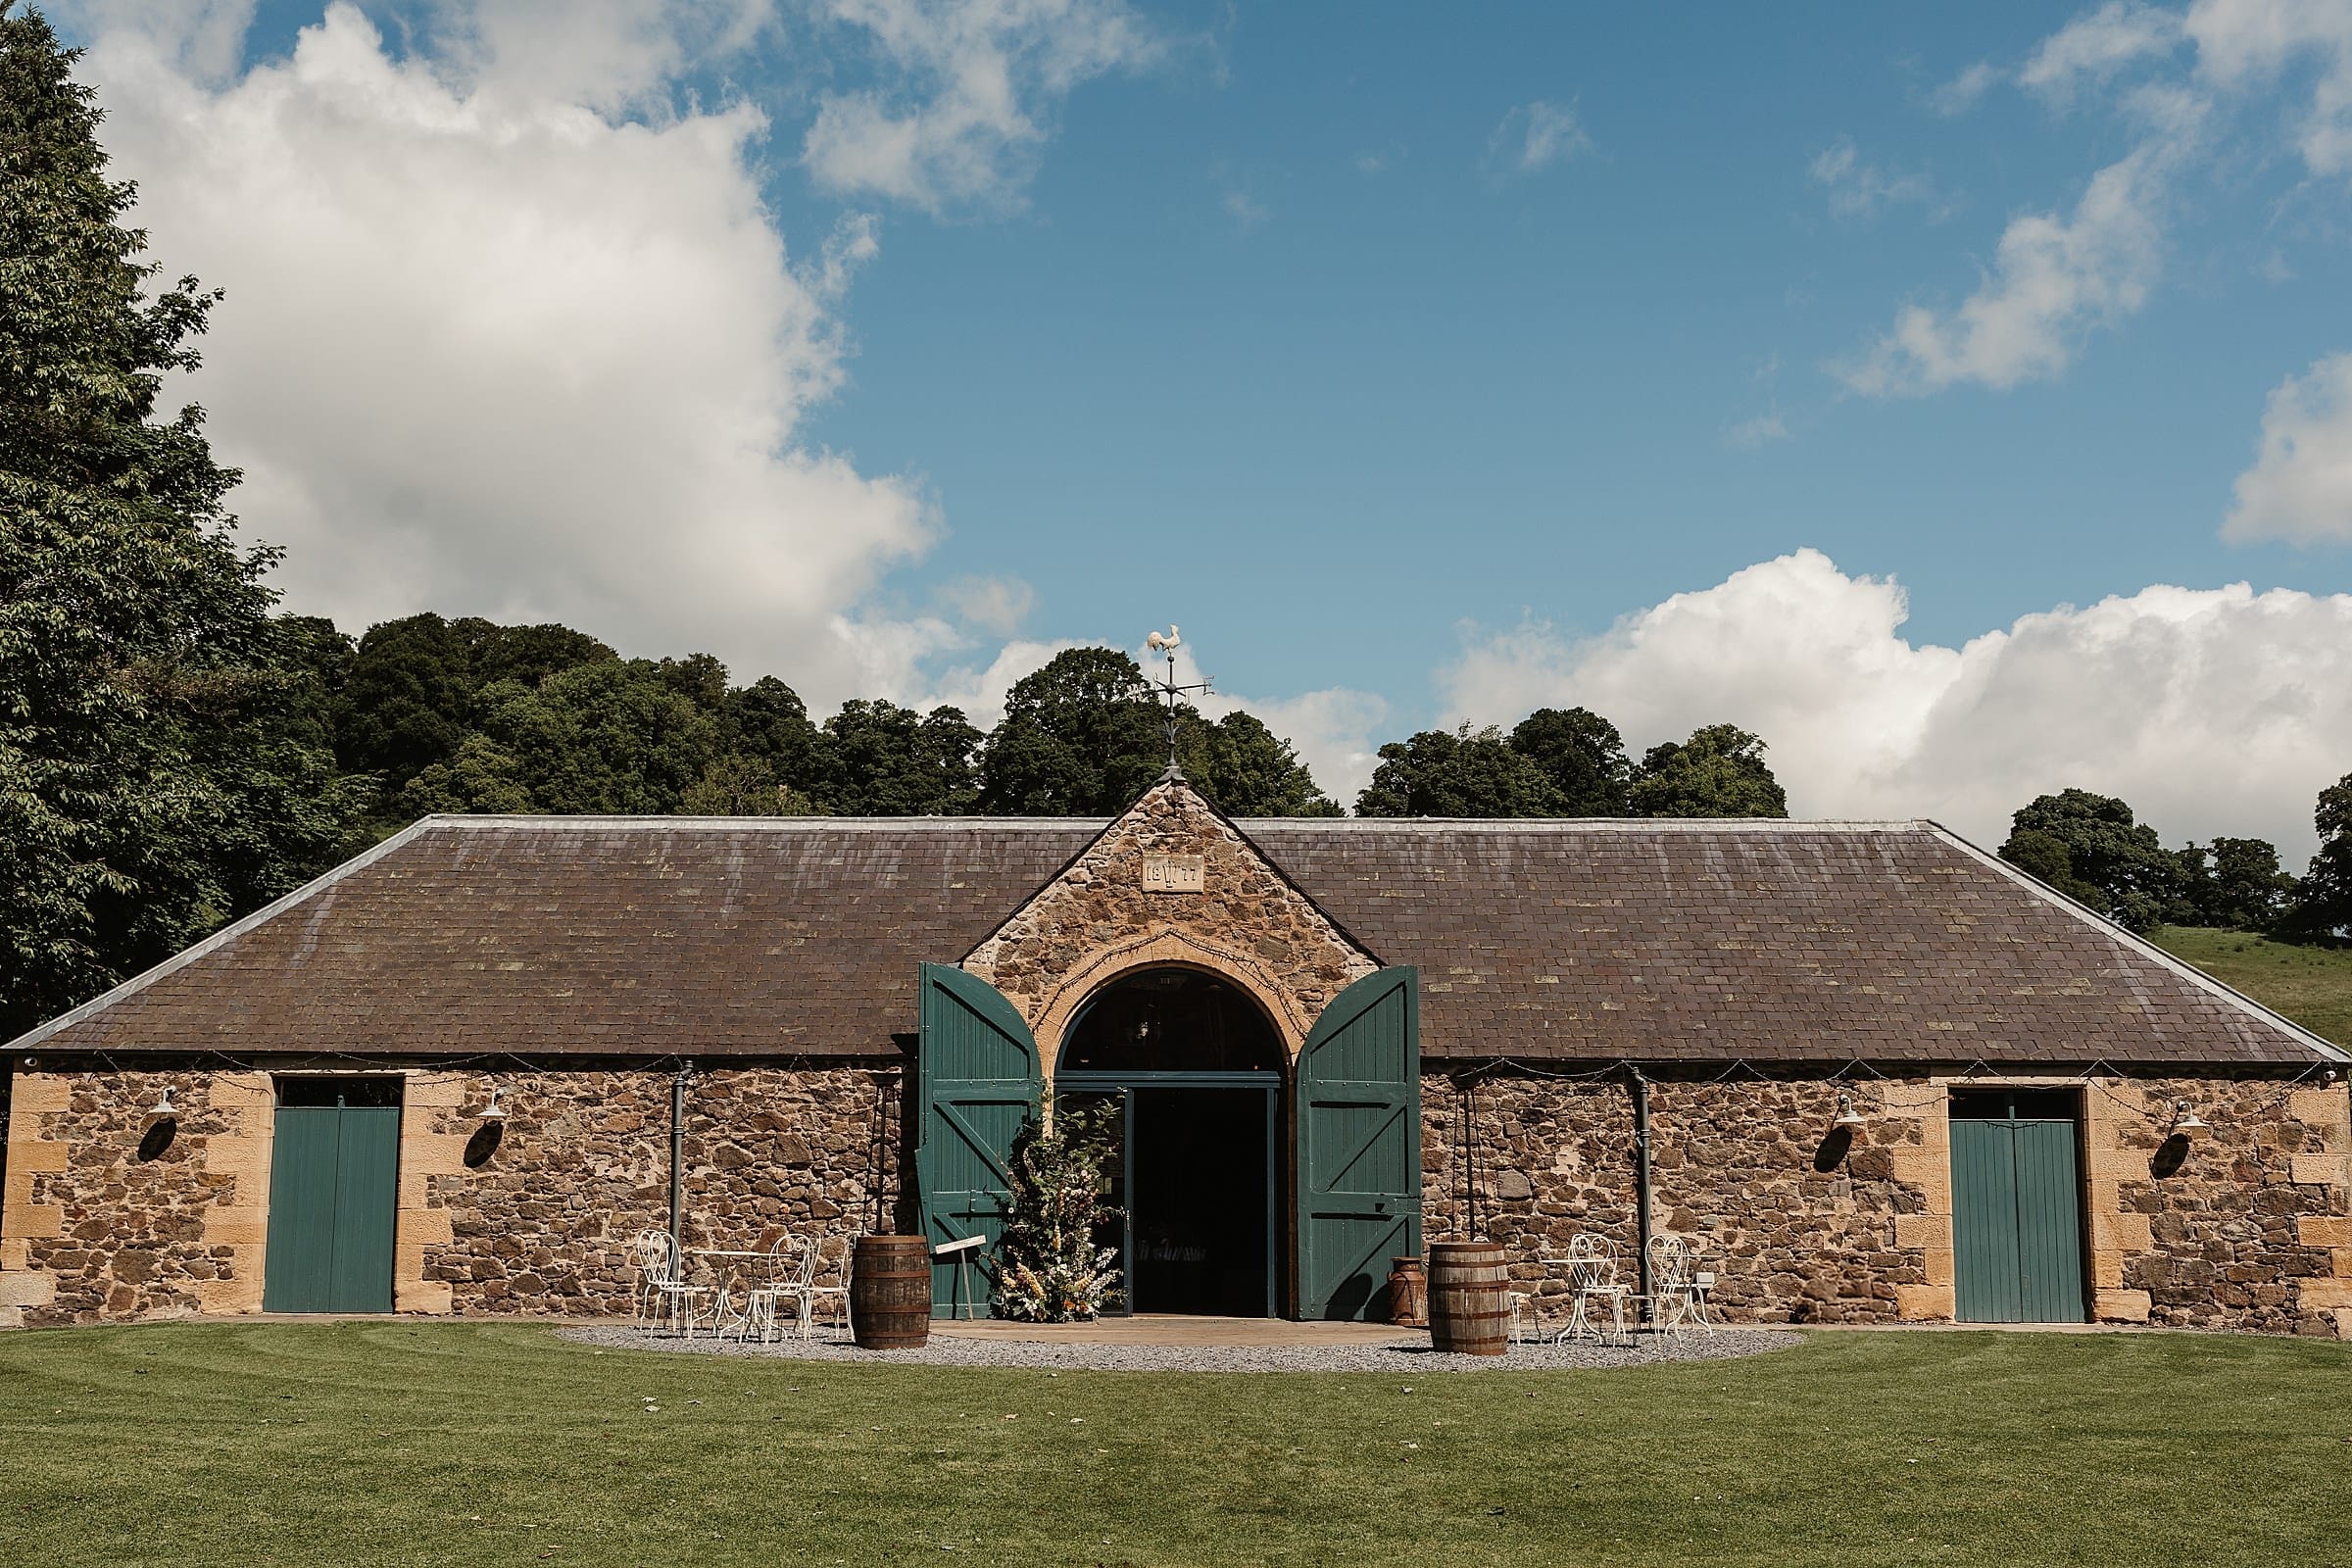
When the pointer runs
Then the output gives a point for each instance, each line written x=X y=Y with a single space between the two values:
x=1051 y=1270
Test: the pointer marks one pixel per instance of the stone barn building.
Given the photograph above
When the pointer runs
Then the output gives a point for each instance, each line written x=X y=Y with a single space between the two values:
x=1874 y=1073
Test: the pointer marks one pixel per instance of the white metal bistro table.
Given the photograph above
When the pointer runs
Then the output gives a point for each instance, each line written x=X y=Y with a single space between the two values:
x=729 y=1264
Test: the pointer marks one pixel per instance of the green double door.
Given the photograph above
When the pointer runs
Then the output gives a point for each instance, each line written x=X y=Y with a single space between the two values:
x=2016 y=1218
x=334 y=1177
x=1356 y=1162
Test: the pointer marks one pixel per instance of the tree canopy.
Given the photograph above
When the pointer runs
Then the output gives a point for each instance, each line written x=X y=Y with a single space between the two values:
x=2092 y=848
x=160 y=766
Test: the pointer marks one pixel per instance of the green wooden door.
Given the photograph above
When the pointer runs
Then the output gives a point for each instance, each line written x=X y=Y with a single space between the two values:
x=334 y=1176
x=2017 y=1220
x=1360 y=1145
x=978 y=1083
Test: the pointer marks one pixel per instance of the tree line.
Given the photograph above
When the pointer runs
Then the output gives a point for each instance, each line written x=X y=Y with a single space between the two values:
x=2092 y=849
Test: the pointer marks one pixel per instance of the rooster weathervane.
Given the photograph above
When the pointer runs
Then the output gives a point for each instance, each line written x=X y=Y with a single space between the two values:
x=1166 y=689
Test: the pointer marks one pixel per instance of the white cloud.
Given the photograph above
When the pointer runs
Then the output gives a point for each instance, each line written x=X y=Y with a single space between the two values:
x=1244 y=210
x=2212 y=710
x=1861 y=189
x=1534 y=136
x=2056 y=279
x=1960 y=94
x=960 y=118
x=1749 y=434
x=997 y=604
x=2244 y=43
x=2300 y=487
x=2053 y=280
x=489 y=349
x=2093 y=48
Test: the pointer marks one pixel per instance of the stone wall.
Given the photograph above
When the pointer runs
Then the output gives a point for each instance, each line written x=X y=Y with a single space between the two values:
x=1097 y=920
x=1797 y=1224
x=2244 y=1226
x=543 y=1223
x=534 y=1218
x=112 y=1212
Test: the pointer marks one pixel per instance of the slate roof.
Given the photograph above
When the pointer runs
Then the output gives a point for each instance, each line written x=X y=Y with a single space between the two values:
x=1566 y=940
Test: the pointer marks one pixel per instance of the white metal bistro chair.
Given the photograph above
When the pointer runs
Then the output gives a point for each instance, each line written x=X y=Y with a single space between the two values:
x=664 y=1292
x=833 y=1297
x=1594 y=1284
x=1678 y=1290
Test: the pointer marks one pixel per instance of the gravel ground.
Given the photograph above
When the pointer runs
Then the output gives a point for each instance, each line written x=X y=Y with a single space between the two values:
x=1406 y=1356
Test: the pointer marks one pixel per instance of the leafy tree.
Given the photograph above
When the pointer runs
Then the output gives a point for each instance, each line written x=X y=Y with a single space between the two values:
x=2234 y=884
x=159 y=766
x=412 y=693
x=766 y=721
x=734 y=785
x=881 y=760
x=1583 y=755
x=2323 y=904
x=1077 y=740
x=2133 y=880
x=1247 y=769
x=2044 y=856
x=1719 y=771
x=614 y=737
x=1457 y=773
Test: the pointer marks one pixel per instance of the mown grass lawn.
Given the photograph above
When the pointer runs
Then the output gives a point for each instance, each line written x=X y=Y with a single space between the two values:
x=2311 y=985
x=386 y=1442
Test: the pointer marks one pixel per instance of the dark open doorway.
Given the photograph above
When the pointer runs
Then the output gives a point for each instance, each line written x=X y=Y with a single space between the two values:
x=1196 y=1070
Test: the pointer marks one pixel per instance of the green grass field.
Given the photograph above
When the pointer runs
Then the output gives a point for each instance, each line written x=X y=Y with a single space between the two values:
x=2311 y=985
x=394 y=1444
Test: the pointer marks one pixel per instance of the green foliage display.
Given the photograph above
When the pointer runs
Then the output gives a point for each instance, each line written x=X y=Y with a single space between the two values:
x=160 y=766
x=2112 y=862
x=1050 y=1269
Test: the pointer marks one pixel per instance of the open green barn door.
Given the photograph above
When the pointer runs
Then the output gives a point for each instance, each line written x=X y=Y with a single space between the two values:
x=978 y=1083
x=1360 y=1145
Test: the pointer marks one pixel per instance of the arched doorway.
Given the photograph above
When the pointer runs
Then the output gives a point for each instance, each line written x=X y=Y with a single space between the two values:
x=1192 y=1071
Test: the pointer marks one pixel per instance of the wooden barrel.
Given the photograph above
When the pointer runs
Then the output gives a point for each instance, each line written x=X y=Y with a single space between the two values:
x=1408 y=1292
x=890 y=1293
x=1469 y=1297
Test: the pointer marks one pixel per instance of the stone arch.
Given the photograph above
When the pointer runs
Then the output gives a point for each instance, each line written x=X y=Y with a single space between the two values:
x=1162 y=949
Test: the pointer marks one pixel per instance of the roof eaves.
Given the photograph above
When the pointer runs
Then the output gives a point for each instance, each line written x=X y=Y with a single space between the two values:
x=2325 y=1049
x=34 y=1037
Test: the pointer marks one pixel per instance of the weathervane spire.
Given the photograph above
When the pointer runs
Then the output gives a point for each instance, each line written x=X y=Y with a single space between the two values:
x=1171 y=695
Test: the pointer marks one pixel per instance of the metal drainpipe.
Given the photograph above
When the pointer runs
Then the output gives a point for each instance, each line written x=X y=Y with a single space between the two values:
x=677 y=1146
x=1640 y=1087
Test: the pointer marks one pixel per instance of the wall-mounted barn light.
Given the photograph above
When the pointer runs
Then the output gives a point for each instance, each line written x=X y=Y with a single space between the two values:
x=494 y=1112
x=1847 y=1116
x=163 y=1105
x=2185 y=1118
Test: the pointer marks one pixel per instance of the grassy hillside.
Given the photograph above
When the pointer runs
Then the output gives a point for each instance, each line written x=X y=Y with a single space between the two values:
x=2311 y=985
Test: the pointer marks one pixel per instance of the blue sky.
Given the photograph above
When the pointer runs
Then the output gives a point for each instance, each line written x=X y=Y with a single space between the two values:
x=1413 y=358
